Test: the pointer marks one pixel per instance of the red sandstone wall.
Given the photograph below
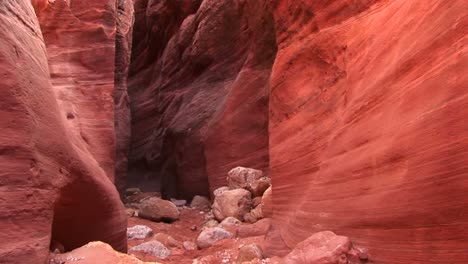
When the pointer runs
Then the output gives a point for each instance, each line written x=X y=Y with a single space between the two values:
x=199 y=92
x=80 y=41
x=51 y=185
x=368 y=136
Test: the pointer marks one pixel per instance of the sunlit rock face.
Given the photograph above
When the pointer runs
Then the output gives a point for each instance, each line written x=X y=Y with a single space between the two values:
x=56 y=183
x=367 y=133
x=198 y=86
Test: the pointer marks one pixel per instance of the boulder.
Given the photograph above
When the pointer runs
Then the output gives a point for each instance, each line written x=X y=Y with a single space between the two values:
x=321 y=248
x=153 y=248
x=259 y=228
x=235 y=203
x=210 y=236
x=241 y=177
x=167 y=240
x=200 y=203
x=157 y=209
x=249 y=179
x=258 y=187
x=267 y=203
x=220 y=190
x=139 y=232
x=249 y=253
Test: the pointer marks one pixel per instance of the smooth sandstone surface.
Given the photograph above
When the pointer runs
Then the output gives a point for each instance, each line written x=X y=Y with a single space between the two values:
x=367 y=130
x=52 y=184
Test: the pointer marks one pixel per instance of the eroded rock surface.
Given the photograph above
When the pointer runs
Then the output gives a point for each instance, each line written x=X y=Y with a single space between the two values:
x=54 y=185
x=366 y=133
x=198 y=85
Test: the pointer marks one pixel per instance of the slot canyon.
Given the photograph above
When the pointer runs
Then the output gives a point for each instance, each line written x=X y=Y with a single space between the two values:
x=234 y=131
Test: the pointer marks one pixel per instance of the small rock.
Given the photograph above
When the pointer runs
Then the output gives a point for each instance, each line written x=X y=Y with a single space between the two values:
x=194 y=228
x=179 y=203
x=260 y=228
x=229 y=221
x=139 y=232
x=220 y=190
x=167 y=240
x=210 y=236
x=249 y=253
x=153 y=248
x=200 y=203
x=156 y=209
x=189 y=246
x=235 y=203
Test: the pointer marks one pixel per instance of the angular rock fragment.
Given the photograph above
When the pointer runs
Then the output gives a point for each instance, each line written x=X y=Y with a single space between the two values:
x=210 y=236
x=235 y=203
x=200 y=203
x=153 y=248
x=139 y=232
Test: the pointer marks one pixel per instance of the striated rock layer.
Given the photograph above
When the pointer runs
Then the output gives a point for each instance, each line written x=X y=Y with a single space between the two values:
x=368 y=136
x=199 y=92
x=54 y=184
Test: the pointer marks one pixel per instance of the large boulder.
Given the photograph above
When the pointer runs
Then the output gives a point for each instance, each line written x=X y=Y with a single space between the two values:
x=235 y=203
x=157 y=209
x=322 y=248
x=210 y=236
x=153 y=248
x=249 y=179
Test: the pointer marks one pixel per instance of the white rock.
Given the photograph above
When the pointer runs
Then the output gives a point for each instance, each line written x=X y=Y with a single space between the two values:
x=139 y=232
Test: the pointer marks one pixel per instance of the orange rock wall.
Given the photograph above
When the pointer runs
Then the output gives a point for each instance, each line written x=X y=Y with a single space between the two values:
x=368 y=136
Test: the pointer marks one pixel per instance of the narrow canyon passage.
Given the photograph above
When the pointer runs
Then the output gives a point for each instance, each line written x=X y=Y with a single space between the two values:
x=233 y=131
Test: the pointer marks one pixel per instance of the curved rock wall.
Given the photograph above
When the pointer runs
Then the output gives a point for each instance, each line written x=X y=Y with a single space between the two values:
x=53 y=185
x=367 y=130
x=199 y=92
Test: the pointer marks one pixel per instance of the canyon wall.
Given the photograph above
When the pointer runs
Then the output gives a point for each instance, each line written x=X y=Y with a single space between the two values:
x=198 y=85
x=57 y=144
x=368 y=136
